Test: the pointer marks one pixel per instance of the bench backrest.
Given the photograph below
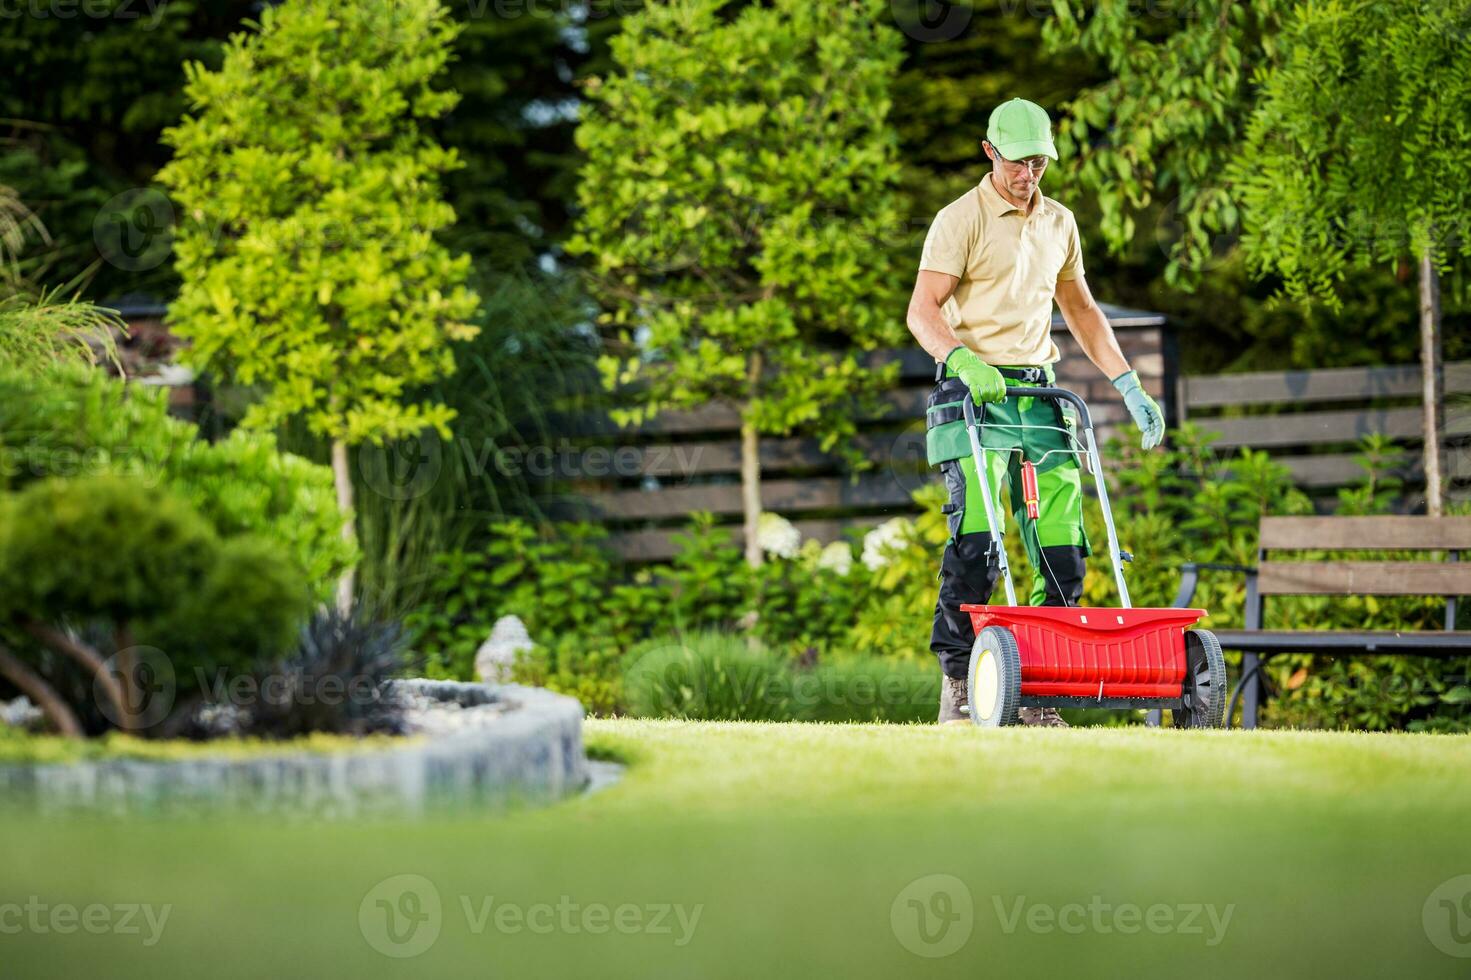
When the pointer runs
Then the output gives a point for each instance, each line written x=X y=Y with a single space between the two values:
x=1387 y=577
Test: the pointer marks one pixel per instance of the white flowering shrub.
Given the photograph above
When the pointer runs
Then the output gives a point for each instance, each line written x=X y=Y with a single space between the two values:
x=837 y=557
x=882 y=543
x=777 y=536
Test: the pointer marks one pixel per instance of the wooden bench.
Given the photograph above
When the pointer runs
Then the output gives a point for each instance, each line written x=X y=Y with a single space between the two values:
x=1450 y=578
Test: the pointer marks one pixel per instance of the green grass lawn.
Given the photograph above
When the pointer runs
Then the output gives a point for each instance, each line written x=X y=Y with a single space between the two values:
x=743 y=850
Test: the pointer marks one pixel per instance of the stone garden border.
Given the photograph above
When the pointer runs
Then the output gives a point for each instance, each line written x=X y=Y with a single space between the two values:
x=482 y=745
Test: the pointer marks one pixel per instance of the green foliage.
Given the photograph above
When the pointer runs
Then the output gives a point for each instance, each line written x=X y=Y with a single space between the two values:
x=114 y=78
x=335 y=679
x=713 y=676
x=517 y=75
x=707 y=677
x=1357 y=149
x=869 y=689
x=1180 y=503
x=1169 y=117
x=101 y=547
x=1156 y=148
x=69 y=420
x=312 y=198
x=738 y=187
x=868 y=629
x=245 y=485
x=112 y=549
x=243 y=612
x=37 y=330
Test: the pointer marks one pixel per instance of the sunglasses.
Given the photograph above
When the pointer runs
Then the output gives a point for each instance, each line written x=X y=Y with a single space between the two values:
x=1035 y=164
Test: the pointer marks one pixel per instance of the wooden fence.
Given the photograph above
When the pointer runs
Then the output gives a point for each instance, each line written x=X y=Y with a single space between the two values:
x=1311 y=420
x=654 y=476
x=643 y=483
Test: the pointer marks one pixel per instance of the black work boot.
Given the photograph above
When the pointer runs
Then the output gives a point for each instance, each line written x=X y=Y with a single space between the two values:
x=954 y=704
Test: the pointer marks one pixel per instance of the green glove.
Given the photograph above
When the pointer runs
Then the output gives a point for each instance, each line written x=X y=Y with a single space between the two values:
x=985 y=382
x=1147 y=416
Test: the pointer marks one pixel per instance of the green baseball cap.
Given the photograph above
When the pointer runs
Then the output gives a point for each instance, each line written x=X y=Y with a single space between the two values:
x=1020 y=129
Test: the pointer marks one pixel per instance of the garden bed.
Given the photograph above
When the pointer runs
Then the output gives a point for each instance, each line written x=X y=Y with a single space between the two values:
x=469 y=744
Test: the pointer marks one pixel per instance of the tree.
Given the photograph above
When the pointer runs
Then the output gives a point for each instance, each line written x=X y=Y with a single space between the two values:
x=1359 y=152
x=310 y=199
x=738 y=211
x=1164 y=125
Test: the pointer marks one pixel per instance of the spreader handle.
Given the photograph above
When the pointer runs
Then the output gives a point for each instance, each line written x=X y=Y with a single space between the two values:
x=1055 y=394
x=1090 y=445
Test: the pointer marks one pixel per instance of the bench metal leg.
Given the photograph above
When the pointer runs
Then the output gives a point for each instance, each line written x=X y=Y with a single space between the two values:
x=1251 y=692
x=1153 y=717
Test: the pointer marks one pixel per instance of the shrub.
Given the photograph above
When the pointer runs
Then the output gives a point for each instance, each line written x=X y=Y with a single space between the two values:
x=336 y=680
x=555 y=579
x=247 y=608
x=707 y=677
x=101 y=547
x=1185 y=503
x=582 y=667
x=144 y=577
x=868 y=689
x=71 y=420
x=244 y=485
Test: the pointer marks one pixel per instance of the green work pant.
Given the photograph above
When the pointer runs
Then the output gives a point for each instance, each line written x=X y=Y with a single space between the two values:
x=1029 y=428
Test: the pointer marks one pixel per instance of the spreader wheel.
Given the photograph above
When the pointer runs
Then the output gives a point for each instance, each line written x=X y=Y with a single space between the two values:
x=1204 y=690
x=995 y=678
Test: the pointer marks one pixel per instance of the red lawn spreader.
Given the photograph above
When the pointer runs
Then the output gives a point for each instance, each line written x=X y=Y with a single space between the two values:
x=1077 y=657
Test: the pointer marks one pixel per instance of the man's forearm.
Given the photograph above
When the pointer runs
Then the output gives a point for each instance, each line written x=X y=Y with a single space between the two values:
x=1096 y=338
x=932 y=331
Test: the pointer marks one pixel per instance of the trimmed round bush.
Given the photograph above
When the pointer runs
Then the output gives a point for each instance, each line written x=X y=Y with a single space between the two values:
x=706 y=677
x=101 y=546
x=245 y=611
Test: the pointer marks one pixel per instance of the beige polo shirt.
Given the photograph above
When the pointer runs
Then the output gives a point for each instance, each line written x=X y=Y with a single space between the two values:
x=1008 y=263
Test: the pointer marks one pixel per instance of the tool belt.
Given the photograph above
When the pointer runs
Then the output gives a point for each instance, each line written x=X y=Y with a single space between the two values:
x=945 y=437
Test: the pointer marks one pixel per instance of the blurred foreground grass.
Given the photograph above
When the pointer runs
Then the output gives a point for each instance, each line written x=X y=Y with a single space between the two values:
x=739 y=850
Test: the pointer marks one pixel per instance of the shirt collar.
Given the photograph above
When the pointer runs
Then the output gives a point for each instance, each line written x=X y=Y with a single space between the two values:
x=997 y=205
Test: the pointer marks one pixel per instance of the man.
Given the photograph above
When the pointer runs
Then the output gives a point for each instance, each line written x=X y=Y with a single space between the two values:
x=992 y=264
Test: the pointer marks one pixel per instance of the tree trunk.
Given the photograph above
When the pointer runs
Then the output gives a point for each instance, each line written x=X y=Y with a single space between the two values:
x=751 y=471
x=342 y=475
x=34 y=686
x=1434 y=382
x=58 y=640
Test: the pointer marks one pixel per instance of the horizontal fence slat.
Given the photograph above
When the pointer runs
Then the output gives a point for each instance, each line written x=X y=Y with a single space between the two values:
x=686 y=459
x=1324 y=428
x=659 y=544
x=1432 y=643
x=1327 y=384
x=1377 y=532
x=717 y=417
x=885 y=489
x=1424 y=578
x=1343 y=469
